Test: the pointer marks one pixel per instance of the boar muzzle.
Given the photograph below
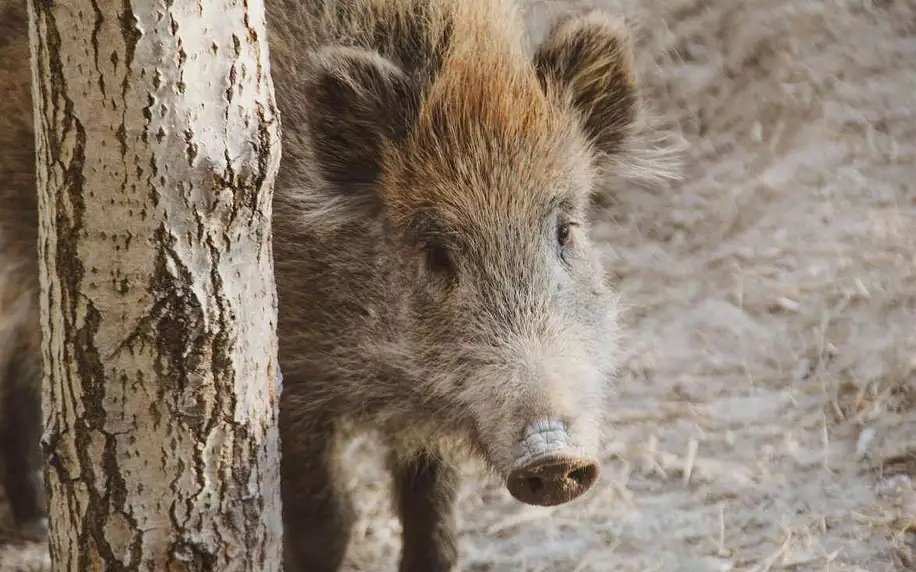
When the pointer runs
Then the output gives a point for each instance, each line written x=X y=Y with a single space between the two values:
x=550 y=469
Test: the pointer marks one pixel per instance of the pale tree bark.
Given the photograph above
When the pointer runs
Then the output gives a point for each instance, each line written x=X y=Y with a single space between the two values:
x=157 y=146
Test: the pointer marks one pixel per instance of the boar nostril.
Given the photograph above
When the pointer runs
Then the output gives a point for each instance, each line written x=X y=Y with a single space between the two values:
x=580 y=475
x=553 y=481
x=535 y=484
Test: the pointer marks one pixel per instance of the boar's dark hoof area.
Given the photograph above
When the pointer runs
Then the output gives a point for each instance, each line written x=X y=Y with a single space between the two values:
x=550 y=482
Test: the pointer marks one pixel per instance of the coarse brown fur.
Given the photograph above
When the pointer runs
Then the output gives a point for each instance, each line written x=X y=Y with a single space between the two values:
x=439 y=153
x=20 y=336
x=431 y=157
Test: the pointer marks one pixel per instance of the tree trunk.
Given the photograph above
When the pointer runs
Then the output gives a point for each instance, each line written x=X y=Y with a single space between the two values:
x=157 y=146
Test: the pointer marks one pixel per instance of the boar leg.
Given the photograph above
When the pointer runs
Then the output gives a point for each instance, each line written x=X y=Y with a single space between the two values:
x=21 y=442
x=318 y=513
x=425 y=491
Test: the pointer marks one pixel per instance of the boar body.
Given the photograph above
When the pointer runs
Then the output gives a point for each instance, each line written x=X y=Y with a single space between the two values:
x=20 y=331
x=435 y=274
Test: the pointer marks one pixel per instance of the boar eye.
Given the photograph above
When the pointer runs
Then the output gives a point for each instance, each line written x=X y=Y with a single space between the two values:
x=439 y=259
x=563 y=234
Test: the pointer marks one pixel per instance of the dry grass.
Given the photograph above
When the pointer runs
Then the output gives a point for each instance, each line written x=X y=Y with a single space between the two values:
x=766 y=418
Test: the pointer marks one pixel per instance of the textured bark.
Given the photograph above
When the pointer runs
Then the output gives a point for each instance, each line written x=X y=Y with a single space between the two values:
x=157 y=147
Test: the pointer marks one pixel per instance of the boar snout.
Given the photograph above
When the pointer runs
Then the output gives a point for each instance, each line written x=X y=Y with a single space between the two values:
x=551 y=469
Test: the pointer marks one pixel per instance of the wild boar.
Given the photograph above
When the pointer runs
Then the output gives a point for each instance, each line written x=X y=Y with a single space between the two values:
x=435 y=274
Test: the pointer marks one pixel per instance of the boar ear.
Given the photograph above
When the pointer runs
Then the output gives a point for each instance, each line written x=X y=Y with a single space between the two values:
x=589 y=57
x=357 y=102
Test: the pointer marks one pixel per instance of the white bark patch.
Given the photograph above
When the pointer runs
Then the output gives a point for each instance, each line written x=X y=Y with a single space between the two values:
x=157 y=145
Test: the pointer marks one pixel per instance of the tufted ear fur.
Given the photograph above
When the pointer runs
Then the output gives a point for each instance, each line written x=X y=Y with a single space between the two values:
x=589 y=57
x=358 y=102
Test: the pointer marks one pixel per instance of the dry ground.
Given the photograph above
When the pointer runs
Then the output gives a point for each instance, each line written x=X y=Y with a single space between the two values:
x=766 y=417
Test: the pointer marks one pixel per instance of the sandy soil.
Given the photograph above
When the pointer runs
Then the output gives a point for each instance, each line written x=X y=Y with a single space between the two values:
x=766 y=417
